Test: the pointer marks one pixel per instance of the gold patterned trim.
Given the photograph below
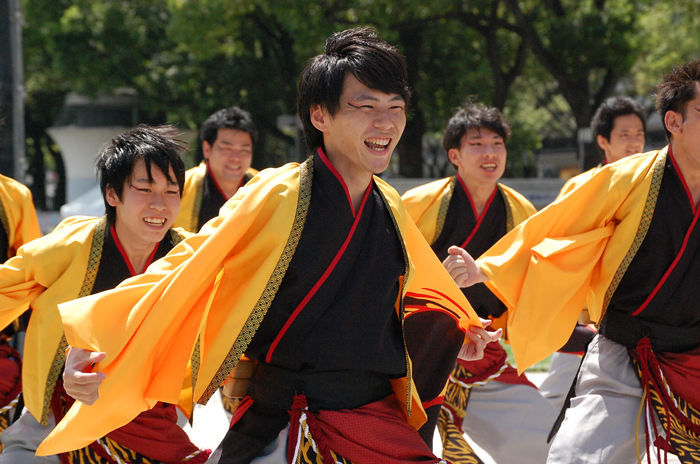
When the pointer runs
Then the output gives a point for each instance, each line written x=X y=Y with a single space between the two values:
x=444 y=206
x=6 y=226
x=59 y=359
x=199 y=193
x=509 y=210
x=263 y=304
x=196 y=362
x=644 y=223
x=176 y=237
x=407 y=271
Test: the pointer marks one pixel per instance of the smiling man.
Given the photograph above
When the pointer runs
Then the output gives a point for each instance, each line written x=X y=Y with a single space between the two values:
x=306 y=271
x=228 y=137
x=472 y=210
x=627 y=243
x=141 y=177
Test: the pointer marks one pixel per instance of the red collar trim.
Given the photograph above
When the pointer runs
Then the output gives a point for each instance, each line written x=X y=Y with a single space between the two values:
x=113 y=231
x=696 y=215
x=323 y=278
x=218 y=187
x=335 y=172
x=479 y=218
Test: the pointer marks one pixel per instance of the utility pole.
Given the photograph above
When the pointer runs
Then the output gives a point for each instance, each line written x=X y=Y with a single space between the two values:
x=12 y=92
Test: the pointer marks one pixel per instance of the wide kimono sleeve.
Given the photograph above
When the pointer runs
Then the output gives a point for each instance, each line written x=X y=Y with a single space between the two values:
x=18 y=208
x=547 y=268
x=191 y=305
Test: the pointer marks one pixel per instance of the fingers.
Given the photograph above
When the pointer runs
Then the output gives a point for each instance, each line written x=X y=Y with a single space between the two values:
x=456 y=266
x=78 y=381
x=478 y=337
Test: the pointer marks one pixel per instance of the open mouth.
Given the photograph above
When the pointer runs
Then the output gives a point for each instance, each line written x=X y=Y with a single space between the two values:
x=489 y=166
x=154 y=221
x=378 y=144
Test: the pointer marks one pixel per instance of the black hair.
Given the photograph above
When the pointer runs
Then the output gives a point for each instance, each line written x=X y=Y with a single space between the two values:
x=473 y=116
x=676 y=89
x=227 y=118
x=115 y=162
x=359 y=52
x=604 y=119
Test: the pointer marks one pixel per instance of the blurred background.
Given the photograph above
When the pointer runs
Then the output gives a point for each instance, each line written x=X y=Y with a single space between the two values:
x=75 y=73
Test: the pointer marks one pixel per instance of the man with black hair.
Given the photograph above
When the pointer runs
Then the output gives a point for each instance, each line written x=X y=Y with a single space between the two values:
x=627 y=243
x=308 y=271
x=618 y=127
x=486 y=399
x=227 y=138
x=141 y=176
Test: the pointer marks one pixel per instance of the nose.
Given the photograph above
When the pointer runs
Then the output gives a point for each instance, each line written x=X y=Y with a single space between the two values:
x=383 y=120
x=158 y=202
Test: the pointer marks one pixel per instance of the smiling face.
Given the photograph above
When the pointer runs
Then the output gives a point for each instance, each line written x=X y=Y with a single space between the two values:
x=229 y=156
x=147 y=209
x=626 y=138
x=360 y=138
x=480 y=159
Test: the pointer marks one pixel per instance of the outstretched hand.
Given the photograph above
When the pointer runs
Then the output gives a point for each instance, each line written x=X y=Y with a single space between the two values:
x=478 y=339
x=462 y=268
x=78 y=380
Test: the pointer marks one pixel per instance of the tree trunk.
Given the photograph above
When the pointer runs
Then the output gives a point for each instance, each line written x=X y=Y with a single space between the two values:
x=411 y=144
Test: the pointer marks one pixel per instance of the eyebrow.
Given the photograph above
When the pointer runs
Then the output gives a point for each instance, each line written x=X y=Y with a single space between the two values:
x=364 y=96
x=145 y=179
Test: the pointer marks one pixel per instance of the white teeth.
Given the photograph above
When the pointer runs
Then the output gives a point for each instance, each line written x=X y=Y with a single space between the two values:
x=154 y=221
x=489 y=166
x=377 y=144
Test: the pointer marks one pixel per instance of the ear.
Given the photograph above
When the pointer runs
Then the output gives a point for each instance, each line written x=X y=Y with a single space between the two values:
x=320 y=118
x=453 y=155
x=603 y=143
x=206 y=149
x=111 y=196
x=673 y=122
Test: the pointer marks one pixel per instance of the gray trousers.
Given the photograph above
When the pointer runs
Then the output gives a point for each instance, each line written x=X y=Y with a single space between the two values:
x=562 y=370
x=599 y=427
x=22 y=439
x=509 y=422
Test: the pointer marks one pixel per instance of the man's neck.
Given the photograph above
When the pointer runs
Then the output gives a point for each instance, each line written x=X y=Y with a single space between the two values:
x=479 y=193
x=137 y=251
x=689 y=166
x=355 y=180
x=227 y=188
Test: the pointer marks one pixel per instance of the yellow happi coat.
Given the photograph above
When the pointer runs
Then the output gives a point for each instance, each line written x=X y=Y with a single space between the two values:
x=56 y=268
x=577 y=180
x=192 y=193
x=17 y=215
x=206 y=299
x=572 y=253
x=427 y=206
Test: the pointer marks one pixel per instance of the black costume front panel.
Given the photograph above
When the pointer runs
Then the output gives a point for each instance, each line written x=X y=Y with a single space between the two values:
x=351 y=322
x=113 y=269
x=212 y=200
x=460 y=221
x=674 y=310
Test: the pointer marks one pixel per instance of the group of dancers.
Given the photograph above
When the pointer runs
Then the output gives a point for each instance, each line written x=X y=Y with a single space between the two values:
x=351 y=323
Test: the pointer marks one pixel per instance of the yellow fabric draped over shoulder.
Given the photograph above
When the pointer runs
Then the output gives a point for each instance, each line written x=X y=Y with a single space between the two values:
x=17 y=214
x=575 y=181
x=206 y=297
x=568 y=254
x=427 y=205
x=46 y=272
x=188 y=218
x=197 y=299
